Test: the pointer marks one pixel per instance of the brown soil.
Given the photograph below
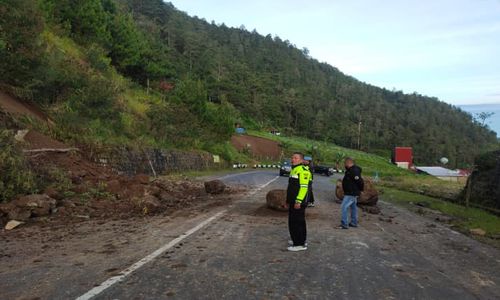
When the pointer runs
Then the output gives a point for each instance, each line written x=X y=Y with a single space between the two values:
x=93 y=191
x=16 y=107
x=257 y=146
x=86 y=190
x=36 y=140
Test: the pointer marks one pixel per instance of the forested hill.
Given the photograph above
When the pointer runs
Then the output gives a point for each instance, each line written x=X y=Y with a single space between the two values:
x=202 y=77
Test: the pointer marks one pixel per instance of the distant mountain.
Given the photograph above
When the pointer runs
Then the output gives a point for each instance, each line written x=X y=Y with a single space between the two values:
x=494 y=121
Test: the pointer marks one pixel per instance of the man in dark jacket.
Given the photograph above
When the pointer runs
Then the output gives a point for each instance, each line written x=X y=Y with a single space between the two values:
x=353 y=185
x=296 y=198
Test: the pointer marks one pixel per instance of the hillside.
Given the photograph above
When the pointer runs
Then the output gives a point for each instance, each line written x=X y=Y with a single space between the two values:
x=143 y=73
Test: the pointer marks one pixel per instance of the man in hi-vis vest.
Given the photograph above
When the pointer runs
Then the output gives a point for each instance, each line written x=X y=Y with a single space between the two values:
x=296 y=199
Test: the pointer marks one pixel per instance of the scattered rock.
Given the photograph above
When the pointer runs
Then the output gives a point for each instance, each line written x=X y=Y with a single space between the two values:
x=388 y=220
x=150 y=204
x=445 y=219
x=215 y=187
x=369 y=196
x=18 y=213
x=80 y=188
x=21 y=134
x=67 y=203
x=478 y=231
x=135 y=191
x=423 y=204
x=276 y=199
x=37 y=205
x=167 y=197
x=76 y=179
x=371 y=209
x=86 y=217
x=141 y=178
x=114 y=187
x=154 y=190
x=53 y=193
x=12 y=224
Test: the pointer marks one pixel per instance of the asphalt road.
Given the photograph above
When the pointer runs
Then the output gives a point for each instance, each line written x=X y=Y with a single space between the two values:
x=242 y=254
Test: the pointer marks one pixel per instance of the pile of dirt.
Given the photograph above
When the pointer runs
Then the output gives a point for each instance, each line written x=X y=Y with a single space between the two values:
x=79 y=189
x=276 y=199
x=258 y=147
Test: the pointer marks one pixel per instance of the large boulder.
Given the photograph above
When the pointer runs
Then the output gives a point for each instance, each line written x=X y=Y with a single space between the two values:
x=369 y=196
x=150 y=204
x=38 y=205
x=215 y=187
x=339 y=191
x=276 y=199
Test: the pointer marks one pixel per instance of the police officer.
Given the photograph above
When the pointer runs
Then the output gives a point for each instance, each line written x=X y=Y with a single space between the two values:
x=296 y=197
x=353 y=185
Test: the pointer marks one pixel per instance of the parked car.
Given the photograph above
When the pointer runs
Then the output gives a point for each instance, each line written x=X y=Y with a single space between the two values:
x=286 y=167
x=328 y=171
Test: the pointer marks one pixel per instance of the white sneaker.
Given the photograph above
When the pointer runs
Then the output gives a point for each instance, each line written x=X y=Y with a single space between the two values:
x=297 y=248
x=290 y=243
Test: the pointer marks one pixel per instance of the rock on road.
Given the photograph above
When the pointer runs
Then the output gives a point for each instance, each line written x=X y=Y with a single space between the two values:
x=242 y=254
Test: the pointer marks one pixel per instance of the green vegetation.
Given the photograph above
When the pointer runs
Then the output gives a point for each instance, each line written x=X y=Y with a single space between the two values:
x=329 y=154
x=424 y=185
x=484 y=183
x=464 y=219
x=144 y=73
x=15 y=176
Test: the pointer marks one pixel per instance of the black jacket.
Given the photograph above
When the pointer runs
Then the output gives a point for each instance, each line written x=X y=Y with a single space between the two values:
x=353 y=182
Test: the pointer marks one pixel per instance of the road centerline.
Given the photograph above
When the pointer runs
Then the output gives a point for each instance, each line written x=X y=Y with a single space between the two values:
x=118 y=278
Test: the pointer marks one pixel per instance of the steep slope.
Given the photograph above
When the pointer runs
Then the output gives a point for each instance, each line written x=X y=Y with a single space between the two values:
x=141 y=72
x=272 y=82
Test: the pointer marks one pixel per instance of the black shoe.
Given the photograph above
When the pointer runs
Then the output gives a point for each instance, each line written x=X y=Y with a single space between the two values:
x=352 y=225
x=342 y=227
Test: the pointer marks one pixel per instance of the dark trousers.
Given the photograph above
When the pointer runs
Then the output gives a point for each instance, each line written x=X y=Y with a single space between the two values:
x=297 y=225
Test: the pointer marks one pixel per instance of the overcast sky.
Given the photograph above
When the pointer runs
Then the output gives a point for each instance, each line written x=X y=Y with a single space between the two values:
x=444 y=48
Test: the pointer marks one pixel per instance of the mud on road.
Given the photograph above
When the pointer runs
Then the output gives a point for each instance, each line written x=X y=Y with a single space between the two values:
x=242 y=254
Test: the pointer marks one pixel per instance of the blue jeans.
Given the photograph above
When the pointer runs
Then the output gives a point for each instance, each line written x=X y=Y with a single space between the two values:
x=349 y=202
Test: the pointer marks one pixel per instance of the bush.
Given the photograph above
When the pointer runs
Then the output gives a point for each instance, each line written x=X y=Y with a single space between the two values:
x=16 y=177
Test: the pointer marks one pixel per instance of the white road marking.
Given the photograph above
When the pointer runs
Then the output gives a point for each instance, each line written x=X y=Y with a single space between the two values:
x=236 y=174
x=115 y=279
x=359 y=243
x=263 y=186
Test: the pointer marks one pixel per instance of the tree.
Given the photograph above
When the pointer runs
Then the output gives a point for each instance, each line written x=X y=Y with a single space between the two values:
x=483 y=116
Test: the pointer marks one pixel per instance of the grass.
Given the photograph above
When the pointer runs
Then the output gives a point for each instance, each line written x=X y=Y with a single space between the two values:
x=372 y=164
x=425 y=185
x=464 y=218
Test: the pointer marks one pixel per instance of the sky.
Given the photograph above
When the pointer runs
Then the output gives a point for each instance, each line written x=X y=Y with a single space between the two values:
x=449 y=49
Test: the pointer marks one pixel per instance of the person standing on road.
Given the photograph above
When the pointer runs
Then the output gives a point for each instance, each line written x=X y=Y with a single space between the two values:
x=296 y=197
x=353 y=185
